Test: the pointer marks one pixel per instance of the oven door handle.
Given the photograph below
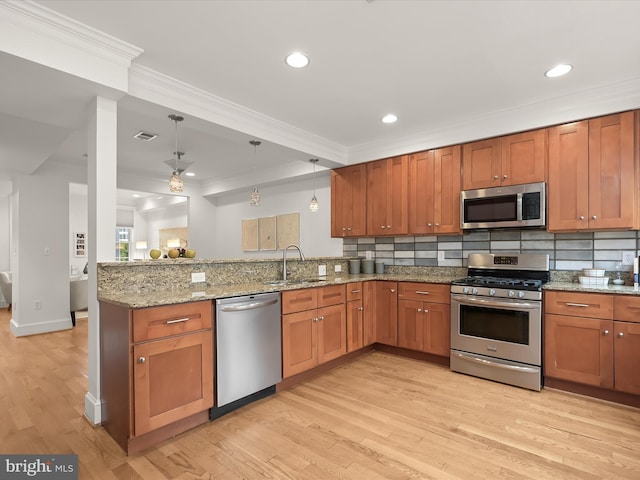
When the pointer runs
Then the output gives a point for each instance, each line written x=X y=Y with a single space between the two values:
x=489 y=363
x=508 y=303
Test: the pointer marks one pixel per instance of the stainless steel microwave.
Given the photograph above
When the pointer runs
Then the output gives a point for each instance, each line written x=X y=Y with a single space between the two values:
x=502 y=207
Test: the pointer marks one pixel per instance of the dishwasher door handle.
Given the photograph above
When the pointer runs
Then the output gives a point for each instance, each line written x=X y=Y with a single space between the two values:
x=240 y=307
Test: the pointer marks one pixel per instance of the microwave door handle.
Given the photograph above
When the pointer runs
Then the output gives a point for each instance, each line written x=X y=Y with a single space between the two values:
x=519 y=207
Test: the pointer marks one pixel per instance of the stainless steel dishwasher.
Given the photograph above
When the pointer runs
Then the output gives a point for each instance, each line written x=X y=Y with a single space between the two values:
x=248 y=350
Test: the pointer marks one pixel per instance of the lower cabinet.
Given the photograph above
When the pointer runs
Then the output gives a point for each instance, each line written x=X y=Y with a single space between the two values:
x=157 y=371
x=314 y=327
x=424 y=317
x=386 y=312
x=593 y=339
x=355 y=317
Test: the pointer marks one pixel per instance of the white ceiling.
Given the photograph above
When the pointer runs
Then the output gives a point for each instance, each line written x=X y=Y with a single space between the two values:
x=451 y=70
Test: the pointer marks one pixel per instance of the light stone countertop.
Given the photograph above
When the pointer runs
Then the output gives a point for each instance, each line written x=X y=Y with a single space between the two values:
x=577 y=287
x=212 y=292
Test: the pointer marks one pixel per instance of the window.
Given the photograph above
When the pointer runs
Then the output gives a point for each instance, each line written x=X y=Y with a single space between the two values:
x=123 y=234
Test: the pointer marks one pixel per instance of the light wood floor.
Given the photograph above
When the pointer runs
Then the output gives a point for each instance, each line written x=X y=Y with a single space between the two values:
x=379 y=417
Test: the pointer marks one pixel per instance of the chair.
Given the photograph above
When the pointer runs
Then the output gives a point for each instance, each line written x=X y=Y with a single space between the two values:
x=6 y=287
x=78 y=297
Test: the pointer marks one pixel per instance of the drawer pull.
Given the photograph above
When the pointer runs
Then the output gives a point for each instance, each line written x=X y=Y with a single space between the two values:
x=606 y=332
x=177 y=320
x=583 y=305
x=392 y=290
x=355 y=291
x=422 y=293
x=621 y=335
x=142 y=360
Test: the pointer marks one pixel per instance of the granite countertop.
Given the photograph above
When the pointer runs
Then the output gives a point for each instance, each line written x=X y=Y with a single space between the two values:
x=212 y=292
x=577 y=287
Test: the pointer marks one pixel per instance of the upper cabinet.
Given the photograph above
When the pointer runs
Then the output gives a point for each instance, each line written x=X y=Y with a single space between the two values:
x=387 y=196
x=509 y=160
x=434 y=191
x=349 y=201
x=593 y=179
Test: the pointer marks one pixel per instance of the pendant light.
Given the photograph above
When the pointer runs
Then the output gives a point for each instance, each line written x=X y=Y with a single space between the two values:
x=254 y=199
x=313 y=205
x=176 y=185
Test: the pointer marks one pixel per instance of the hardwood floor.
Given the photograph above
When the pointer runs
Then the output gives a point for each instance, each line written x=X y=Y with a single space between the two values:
x=379 y=417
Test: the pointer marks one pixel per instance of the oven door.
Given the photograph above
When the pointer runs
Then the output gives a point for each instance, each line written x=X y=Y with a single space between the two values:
x=508 y=329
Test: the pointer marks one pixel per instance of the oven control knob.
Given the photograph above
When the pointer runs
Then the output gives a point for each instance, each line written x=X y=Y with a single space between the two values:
x=512 y=293
x=474 y=291
x=520 y=294
x=465 y=290
x=492 y=292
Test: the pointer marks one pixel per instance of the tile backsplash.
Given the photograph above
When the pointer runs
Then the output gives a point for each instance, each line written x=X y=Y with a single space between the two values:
x=567 y=251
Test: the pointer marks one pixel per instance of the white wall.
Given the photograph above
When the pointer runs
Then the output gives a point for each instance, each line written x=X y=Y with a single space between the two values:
x=293 y=197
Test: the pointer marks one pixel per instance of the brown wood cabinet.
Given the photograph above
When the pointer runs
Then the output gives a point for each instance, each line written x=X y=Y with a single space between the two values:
x=593 y=176
x=314 y=327
x=508 y=160
x=349 y=201
x=386 y=312
x=424 y=317
x=387 y=196
x=369 y=313
x=593 y=339
x=434 y=191
x=157 y=370
x=355 y=317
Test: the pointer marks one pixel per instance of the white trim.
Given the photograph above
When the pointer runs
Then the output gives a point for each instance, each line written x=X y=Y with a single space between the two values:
x=92 y=409
x=40 y=327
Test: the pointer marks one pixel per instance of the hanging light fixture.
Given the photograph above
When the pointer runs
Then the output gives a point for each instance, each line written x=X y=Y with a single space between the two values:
x=254 y=200
x=176 y=185
x=313 y=205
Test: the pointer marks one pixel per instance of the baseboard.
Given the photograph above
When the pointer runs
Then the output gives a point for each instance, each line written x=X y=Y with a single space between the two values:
x=92 y=409
x=41 y=327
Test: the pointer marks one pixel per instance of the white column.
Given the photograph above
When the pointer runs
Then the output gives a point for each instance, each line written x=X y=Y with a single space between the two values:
x=101 y=179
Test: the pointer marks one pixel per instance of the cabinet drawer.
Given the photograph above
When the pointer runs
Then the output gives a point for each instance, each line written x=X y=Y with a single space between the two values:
x=626 y=307
x=299 y=300
x=159 y=322
x=425 y=292
x=592 y=305
x=354 y=291
x=332 y=295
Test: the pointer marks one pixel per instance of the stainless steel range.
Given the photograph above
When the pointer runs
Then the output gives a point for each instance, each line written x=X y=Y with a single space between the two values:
x=496 y=318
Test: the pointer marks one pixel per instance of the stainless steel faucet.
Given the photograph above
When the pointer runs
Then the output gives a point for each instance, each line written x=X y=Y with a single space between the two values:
x=284 y=258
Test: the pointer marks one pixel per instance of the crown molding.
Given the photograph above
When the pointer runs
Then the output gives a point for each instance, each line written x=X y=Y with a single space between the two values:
x=161 y=89
x=593 y=102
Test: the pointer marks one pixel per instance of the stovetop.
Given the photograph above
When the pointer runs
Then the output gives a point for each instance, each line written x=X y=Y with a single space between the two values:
x=500 y=282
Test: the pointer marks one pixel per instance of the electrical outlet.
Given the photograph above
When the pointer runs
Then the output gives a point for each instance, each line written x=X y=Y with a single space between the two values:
x=322 y=270
x=440 y=254
x=627 y=257
x=338 y=268
x=198 y=277
x=37 y=305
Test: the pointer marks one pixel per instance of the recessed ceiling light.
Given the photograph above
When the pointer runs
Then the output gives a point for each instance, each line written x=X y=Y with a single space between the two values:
x=190 y=174
x=159 y=198
x=389 y=118
x=297 y=60
x=136 y=195
x=558 y=70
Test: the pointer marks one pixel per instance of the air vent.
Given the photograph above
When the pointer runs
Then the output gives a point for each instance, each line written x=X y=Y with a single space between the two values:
x=145 y=136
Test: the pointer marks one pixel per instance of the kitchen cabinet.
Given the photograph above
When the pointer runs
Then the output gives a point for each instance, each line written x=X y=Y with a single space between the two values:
x=593 y=339
x=508 y=160
x=386 y=312
x=355 y=317
x=434 y=191
x=387 y=196
x=157 y=370
x=369 y=313
x=348 y=201
x=314 y=327
x=593 y=177
x=424 y=317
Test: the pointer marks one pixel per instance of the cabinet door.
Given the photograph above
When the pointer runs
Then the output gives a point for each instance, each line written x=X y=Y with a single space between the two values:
x=524 y=157
x=387 y=196
x=481 y=164
x=410 y=324
x=446 y=204
x=579 y=350
x=612 y=179
x=332 y=332
x=299 y=342
x=437 y=329
x=386 y=312
x=568 y=181
x=377 y=193
x=348 y=201
x=355 y=325
x=173 y=379
x=627 y=357
x=421 y=192
x=369 y=313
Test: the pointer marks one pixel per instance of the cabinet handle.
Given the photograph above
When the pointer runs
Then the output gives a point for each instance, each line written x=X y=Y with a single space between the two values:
x=605 y=333
x=349 y=228
x=177 y=320
x=505 y=176
x=142 y=360
x=344 y=229
x=495 y=177
x=437 y=224
x=392 y=290
x=420 y=292
x=429 y=225
x=388 y=226
x=581 y=217
x=320 y=318
x=620 y=335
x=426 y=311
x=419 y=310
x=382 y=226
x=583 y=305
x=355 y=291
x=594 y=218
x=361 y=308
